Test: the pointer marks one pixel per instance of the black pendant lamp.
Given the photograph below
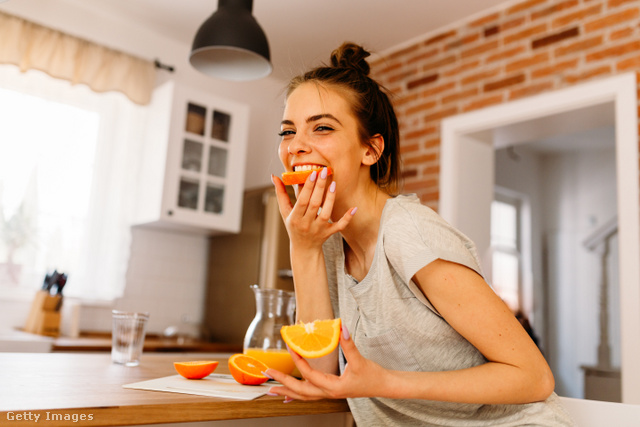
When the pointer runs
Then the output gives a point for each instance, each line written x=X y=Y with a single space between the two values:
x=231 y=45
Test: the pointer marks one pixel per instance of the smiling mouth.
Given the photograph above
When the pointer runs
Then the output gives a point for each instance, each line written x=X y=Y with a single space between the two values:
x=302 y=168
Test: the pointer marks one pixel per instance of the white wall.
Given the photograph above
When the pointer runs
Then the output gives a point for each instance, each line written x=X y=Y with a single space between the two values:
x=167 y=270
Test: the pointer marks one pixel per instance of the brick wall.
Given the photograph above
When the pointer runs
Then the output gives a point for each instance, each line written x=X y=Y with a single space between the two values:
x=524 y=49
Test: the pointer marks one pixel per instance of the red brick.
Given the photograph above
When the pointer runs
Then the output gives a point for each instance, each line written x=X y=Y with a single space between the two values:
x=421 y=107
x=628 y=64
x=402 y=76
x=506 y=82
x=441 y=114
x=484 y=74
x=411 y=84
x=526 y=33
x=434 y=142
x=420 y=133
x=441 y=37
x=460 y=95
x=543 y=13
x=408 y=148
x=579 y=46
x=555 y=38
x=595 y=72
x=437 y=89
x=423 y=56
x=417 y=160
x=505 y=53
x=439 y=63
x=530 y=90
x=621 y=33
x=614 y=51
x=465 y=66
x=616 y=3
x=411 y=187
x=577 y=16
x=524 y=6
x=410 y=173
x=402 y=100
x=514 y=23
x=611 y=20
x=477 y=50
x=431 y=170
x=484 y=102
x=554 y=69
x=462 y=41
x=528 y=62
x=402 y=52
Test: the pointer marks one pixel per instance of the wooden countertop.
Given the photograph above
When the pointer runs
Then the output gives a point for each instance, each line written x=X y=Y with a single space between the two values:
x=95 y=341
x=90 y=386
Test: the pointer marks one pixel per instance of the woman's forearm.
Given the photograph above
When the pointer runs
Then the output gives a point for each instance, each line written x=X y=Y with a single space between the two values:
x=312 y=297
x=490 y=383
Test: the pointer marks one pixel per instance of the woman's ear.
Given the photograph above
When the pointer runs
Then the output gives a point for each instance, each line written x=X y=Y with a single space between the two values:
x=374 y=150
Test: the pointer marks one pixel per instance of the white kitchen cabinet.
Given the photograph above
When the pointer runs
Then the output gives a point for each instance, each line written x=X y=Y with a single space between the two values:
x=193 y=161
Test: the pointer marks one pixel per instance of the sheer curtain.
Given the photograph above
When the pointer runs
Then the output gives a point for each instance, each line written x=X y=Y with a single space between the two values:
x=92 y=243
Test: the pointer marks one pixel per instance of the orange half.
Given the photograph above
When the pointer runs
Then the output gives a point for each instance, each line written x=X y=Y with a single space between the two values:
x=197 y=369
x=291 y=178
x=247 y=370
x=313 y=339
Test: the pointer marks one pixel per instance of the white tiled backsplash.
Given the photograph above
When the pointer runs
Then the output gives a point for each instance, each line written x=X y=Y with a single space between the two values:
x=166 y=276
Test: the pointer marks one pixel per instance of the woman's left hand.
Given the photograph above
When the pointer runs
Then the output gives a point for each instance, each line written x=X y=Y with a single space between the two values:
x=361 y=377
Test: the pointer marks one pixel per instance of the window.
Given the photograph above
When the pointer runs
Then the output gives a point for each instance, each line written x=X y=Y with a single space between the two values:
x=506 y=262
x=67 y=194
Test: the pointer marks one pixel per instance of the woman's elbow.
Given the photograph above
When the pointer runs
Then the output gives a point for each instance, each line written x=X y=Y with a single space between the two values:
x=545 y=385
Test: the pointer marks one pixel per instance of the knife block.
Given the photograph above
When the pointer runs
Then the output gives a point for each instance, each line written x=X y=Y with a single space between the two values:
x=44 y=315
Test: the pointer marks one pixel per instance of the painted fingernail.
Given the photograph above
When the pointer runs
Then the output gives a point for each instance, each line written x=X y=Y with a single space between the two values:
x=287 y=399
x=272 y=394
x=345 y=332
x=353 y=211
x=313 y=176
x=324 y=173
x=273 y=180
x=332 y=187
x=267 y=375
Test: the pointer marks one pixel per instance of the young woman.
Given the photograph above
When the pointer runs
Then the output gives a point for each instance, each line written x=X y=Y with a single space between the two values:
x=425 y=340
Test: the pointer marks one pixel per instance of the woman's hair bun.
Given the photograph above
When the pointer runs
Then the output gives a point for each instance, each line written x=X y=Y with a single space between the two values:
x=351 y=55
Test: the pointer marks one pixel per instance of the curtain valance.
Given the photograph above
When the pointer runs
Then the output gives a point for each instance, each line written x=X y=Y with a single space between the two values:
x=32 y=46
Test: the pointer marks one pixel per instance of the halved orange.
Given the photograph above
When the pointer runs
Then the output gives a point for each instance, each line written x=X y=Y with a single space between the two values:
x=313 y=339
x=290 y=178
x=247 y=370
x=196 y=370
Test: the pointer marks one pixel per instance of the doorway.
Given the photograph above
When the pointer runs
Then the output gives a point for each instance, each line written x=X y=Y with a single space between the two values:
x=470 y=143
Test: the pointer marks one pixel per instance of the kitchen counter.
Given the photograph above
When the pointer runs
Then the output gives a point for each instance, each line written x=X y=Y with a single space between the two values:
x=93 y=341
x=89 y=388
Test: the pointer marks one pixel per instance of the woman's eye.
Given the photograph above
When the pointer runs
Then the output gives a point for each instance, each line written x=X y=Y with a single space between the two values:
x=324 y=128
x=286 y=132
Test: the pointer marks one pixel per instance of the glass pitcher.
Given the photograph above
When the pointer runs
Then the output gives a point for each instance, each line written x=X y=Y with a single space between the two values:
x=274 y=309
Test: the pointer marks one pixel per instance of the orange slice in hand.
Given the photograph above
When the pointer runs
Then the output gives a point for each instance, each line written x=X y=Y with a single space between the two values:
x=197 y=369
x=314 y=339
x=291 y=178
x=247 y=370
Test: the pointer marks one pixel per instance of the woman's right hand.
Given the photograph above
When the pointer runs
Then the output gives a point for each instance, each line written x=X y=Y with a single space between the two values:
x=309 y=226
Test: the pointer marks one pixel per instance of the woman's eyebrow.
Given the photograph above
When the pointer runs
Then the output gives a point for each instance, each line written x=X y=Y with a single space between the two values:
x=313 y=119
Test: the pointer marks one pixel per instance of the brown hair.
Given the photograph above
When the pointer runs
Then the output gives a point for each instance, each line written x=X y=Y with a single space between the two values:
x=371 y=106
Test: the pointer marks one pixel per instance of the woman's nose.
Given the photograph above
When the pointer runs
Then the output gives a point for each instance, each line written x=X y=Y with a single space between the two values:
x=297 y=145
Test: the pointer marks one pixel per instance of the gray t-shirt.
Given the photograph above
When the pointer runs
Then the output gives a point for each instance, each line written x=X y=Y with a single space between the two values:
x=393 y=324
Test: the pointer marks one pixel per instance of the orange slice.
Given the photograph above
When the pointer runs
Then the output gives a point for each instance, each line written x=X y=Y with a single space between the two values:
x=314 y=339
x=197 y=369
x=291 y=178
x=247 y=370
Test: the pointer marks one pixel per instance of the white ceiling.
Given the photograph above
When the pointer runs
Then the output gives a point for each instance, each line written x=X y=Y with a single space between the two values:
x=301 y=32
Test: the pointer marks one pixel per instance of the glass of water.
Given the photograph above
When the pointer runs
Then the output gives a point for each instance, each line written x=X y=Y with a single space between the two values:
x=128 y=334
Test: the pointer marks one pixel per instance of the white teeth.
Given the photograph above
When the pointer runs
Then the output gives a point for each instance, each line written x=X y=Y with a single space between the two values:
x=306 y=168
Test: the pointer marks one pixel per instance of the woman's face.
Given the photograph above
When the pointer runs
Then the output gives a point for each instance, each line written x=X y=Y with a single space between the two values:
x=318 y=129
